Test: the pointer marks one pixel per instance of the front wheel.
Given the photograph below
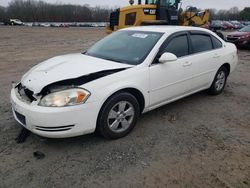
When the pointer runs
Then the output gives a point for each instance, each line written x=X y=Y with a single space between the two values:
x=219 y=82
x=118 y=116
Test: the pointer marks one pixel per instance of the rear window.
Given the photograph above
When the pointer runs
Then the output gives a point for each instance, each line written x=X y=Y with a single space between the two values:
x=216 y=42
x=201 y=43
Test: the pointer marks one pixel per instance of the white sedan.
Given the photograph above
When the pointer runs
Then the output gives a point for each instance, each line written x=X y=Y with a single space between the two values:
x=129 y=72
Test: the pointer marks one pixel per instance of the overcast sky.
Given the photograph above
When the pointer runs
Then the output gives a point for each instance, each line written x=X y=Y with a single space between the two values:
x=218 y=4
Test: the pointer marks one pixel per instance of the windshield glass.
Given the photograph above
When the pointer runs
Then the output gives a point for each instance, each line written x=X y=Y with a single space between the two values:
x=245 y=29
x=171 y=2
x=151 y=2
x=129 y=47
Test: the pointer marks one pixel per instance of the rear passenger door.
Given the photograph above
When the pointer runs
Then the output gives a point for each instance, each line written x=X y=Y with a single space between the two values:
x=204 y=60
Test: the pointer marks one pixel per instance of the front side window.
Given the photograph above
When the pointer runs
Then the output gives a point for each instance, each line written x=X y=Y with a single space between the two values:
x=201 y=43
x=178 y=46
x=128 y=47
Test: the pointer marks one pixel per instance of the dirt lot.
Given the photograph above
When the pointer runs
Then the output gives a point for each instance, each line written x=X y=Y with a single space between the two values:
x=208 y=145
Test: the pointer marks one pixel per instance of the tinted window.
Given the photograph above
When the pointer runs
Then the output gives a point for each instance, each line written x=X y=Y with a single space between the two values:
x=178 y=46
x=129 y=47
x=201 y=43
x=216 y=42
x=130 y=18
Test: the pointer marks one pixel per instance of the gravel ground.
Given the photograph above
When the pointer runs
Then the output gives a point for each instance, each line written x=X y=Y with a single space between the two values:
x=199 y=141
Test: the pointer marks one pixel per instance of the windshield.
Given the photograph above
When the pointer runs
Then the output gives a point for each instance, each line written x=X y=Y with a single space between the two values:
x=168 y=3
x=151 y=2
x=245 y=29
x=171 y=3
x=129 y=47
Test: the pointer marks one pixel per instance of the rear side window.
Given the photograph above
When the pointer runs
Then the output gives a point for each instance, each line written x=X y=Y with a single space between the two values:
x=201 y=43
x=178 y=46
x=216 y=42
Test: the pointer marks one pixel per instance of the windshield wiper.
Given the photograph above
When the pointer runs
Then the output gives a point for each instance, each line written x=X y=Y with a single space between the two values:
x=110 y=59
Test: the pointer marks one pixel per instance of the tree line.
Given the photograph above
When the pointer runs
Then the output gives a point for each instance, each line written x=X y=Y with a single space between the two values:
x=39 y=11
x=231 y=14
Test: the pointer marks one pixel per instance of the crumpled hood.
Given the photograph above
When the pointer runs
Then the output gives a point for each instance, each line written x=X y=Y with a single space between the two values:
x=65 y=67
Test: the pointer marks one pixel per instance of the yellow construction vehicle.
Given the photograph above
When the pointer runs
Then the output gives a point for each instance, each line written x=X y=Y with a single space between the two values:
x=156 y=12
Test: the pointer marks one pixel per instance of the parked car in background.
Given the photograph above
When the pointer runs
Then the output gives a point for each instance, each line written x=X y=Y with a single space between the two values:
x=217 y=25
x=64 y=25
x=107 y=87
x=221 y=25
x=240 y=38
x=35 y=24
x=229 y=25
x=14 y=22
x=246 y=23
x=28 y=24
x=45 y=24
x=237 y=24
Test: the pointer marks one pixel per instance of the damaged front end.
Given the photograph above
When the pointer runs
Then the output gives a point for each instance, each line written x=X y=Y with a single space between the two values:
x=60 y=82
x=75 y=82
x=25 y=94
x=28 y=96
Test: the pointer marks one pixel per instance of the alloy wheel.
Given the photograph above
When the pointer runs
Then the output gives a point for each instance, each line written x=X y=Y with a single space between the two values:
x=220 y=81
x=121 y=116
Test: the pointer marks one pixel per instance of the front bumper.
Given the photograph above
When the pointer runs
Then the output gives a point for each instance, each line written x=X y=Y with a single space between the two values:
x=240 y=42
x=55 y=122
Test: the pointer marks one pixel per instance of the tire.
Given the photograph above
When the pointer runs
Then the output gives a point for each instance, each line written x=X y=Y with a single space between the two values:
x=118 y=116
x=219 y=82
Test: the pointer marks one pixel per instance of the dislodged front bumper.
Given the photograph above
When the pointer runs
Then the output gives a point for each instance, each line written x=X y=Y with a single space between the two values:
x=55 y=122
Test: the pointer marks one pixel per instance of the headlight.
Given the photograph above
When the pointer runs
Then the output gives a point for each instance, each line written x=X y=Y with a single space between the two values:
x=68 y=97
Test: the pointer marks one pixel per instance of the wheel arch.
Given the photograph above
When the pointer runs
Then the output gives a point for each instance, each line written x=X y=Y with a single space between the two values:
x=137 y=94
x=133 y=91
x=227 y=66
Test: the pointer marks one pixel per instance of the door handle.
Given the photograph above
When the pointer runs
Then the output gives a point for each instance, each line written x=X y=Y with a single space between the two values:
x=216 y=56
x=186 y=64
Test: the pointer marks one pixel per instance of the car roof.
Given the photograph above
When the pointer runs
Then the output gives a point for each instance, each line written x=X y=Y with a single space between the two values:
x=166 y=29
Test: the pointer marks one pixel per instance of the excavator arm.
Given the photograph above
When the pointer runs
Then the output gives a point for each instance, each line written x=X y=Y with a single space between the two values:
x=155 y=12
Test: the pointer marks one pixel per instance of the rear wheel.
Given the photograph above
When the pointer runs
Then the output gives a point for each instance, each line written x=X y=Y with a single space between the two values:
x=118 y=116
x=219 y=82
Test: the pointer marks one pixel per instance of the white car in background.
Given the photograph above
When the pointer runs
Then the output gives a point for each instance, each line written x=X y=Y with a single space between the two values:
x=127 y=73
x=16 y=22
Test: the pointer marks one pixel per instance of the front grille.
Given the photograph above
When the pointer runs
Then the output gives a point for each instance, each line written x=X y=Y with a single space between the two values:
x=21 y=118
x=25 y=93
x=114 y=19
x=55 y=129
x=232 y=38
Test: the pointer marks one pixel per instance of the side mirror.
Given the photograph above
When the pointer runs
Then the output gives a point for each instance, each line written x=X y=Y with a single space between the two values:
x=167 y=57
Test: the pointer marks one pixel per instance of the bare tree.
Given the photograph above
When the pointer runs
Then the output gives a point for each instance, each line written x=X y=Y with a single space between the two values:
x=32 y=10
